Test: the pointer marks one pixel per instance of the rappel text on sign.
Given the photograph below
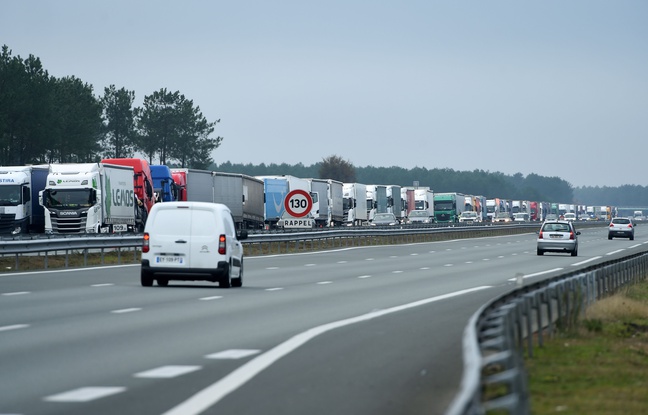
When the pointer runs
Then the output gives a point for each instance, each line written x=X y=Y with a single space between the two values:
x=297 y=223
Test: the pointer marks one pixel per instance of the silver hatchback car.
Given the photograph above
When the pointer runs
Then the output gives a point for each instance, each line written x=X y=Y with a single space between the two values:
x=622 y=227
x=558 y=236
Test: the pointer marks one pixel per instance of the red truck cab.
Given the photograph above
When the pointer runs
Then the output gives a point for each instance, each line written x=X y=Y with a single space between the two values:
x=180 y=179
x=142 y=180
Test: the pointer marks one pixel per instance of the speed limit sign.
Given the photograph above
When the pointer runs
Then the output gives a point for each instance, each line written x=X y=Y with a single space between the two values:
x=298 y=203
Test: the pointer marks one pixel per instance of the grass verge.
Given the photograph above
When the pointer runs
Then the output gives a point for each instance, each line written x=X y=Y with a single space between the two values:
x=73 y=259
x=598 y=367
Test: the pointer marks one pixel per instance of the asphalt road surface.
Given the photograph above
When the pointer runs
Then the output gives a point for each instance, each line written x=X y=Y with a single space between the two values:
x=370 y=330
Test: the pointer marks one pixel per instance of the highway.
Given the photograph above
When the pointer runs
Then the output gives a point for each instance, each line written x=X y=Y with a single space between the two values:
x=363 y=331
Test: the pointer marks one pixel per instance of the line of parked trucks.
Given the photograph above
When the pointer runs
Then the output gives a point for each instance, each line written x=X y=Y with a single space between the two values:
x=115 y=195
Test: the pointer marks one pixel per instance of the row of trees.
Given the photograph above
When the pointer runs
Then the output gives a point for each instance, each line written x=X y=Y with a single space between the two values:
x=44 y=119
x=477 y=182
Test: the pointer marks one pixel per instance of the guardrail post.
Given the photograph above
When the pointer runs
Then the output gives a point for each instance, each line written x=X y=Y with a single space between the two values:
x=528 y=310
x=538 y=304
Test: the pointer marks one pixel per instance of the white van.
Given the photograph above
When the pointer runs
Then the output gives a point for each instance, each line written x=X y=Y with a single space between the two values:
x=192 y=241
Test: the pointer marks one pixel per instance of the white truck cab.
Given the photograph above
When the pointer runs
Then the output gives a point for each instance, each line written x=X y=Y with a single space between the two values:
x=192 y=241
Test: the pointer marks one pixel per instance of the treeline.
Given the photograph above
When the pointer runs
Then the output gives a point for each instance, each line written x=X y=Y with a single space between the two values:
x=45 y=119
x=476 y=182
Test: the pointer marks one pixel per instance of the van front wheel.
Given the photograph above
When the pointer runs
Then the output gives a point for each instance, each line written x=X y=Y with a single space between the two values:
x=226 y=278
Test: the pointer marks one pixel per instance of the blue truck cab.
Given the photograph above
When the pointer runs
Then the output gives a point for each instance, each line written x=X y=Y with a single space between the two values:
x=163 y=183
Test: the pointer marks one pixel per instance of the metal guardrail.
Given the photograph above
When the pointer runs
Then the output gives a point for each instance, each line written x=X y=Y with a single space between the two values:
x=498 y=335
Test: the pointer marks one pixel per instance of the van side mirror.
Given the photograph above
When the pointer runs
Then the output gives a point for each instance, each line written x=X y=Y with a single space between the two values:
x=242 y=234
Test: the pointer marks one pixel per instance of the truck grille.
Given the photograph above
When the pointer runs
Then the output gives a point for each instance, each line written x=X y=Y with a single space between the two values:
x=7 y=222
x=69 y=225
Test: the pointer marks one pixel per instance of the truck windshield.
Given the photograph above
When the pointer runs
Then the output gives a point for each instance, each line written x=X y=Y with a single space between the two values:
x=72 y=198
x=420 y=205
x=10 y=195
x=444 y=205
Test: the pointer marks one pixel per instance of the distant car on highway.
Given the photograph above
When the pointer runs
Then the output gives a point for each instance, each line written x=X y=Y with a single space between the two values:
x=621 y=227
x=502 y=217
x=419 y=216
x=569 y=216
x=551 y=216
x=384 y=219
x=469 y=216
x=520 y=217
x=557 y=236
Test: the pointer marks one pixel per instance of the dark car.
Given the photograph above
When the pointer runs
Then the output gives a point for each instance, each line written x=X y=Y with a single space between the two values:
x=384 y=219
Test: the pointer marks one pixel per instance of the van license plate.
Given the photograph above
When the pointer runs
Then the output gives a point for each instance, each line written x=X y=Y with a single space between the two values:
x=169 y=260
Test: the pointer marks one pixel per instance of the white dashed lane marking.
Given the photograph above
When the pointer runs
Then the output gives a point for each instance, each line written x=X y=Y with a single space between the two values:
x=16 y=293
x=126 y=310
x=215 y=297
x=14 y=327
x=167 y=372
x=233 y=354
x=85 y=394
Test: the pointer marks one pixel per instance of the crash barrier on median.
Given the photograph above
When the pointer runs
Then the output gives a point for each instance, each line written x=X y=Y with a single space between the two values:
x=502 y=331
x=126 y=247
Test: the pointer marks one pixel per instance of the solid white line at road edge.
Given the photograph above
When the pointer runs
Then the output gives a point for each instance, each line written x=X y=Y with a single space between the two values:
x=218 y=390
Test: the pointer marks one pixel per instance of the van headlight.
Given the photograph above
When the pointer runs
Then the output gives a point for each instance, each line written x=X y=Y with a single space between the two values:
x=16 y=230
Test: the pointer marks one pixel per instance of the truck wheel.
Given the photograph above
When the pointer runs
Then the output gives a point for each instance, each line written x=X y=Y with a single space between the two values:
x=226 y=279
x=238 y=282
x=146 y=279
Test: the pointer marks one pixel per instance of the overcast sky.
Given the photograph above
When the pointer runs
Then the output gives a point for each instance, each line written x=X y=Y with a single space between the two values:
x=552 y=87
